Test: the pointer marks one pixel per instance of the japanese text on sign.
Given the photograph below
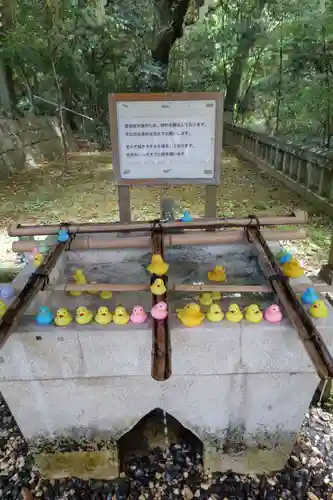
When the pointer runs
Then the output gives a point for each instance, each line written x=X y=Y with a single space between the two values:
x=166 y=139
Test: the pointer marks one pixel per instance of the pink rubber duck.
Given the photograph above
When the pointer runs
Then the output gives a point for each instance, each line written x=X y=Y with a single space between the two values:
x=273 y=314
x=138 y=315
x=159 y=310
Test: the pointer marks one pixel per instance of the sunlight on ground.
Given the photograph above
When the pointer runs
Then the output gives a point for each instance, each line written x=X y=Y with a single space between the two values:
x=83 y=191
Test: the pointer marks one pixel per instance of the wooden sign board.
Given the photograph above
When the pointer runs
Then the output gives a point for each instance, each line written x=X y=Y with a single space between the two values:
x=167 y=138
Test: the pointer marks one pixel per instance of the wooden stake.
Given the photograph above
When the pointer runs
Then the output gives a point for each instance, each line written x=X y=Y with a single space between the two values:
x=211 y=202
x=161 y=359
x=124 y=203
x=308 y=333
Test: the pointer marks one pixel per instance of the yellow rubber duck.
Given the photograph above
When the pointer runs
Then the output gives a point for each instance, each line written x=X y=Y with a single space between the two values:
x=318 y=309
x=216 y=295
x=292 y=269
x=158 y=287
x=215 y=313
x=80 y=279
x=120 y=316
x=63 y=317
x=218 y=274
x=103 y=316
x=106 y=294
x=206 y=299
x=92 y=292
x=3 y=308
x=191 y=315
x=234 y=314
x=83 y=315
x=253 y=314
x=38 y=259
x=157 y=265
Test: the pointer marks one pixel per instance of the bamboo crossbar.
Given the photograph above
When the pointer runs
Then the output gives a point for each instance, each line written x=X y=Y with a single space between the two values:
x=141 y=287
x=15 y=229
x=190 y=238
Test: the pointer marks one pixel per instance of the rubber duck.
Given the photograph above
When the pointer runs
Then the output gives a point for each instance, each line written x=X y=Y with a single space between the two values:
x=80 y=279
x=318 y=309
x=62 y=317
x=103 y=316
x=234 y=314
x=83 y=315
x=120 y=316
x=206 y=299
x=159 y=310
x=63 y=236
x=284 y=256
x=157 y=265
x=309 y=296
x=186 y=217
x=7 y=291
x=3 y=308
x=158 y=287
x=138 y=315
x=273 y=314
x=44 y=316
x=92 y=292
x=253 y=314
x=218 y=274
x=37 y=259
x=106 y=294
x=216 y=295
x=191 y=315
x=292 y=269
x=215 y=313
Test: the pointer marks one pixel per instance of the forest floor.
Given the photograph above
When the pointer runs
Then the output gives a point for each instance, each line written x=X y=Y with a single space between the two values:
x=83 y=191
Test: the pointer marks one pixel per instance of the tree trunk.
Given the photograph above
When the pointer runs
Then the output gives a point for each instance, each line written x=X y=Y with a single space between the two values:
x=5 y=100
x=245 y=44
x=279 y=89
x=7 y=89
x=170 y=16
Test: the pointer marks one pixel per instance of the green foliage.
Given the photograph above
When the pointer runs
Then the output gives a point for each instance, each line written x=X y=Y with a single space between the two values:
x=273 y=59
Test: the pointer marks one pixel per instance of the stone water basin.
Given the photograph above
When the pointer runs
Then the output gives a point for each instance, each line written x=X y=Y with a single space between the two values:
x=242 y=389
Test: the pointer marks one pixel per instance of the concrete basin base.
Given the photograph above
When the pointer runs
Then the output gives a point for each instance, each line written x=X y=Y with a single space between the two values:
x=241 y=389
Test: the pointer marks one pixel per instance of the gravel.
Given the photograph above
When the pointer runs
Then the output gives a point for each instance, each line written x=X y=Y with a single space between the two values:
x=179 y=475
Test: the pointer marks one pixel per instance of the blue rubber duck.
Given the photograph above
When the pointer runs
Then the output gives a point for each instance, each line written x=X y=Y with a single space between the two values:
x=63 y=236
x=44 y=316
x=309 y=296
x=187 y=217
x=7 y=291
x=284 y=257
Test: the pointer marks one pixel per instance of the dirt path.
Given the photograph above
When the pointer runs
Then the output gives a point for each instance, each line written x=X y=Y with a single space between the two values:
x=83 y=191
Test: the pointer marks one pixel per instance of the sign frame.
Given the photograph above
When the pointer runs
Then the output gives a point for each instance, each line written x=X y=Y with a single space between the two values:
x=158 y=97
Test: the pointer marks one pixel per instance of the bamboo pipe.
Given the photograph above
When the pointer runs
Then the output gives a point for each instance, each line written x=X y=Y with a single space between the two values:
x=307 y=331
x=15 y=229
x=99 y=287
x=126 y=287
x=161 y=348
x=34 y=284
x=191 y=238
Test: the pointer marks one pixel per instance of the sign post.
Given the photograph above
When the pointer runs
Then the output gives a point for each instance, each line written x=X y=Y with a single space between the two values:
x=167 y=138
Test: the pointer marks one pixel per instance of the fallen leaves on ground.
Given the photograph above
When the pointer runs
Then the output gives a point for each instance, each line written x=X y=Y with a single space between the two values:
x=84 y=191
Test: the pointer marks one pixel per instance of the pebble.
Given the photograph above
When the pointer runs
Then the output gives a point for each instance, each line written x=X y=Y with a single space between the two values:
x=177 y=474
